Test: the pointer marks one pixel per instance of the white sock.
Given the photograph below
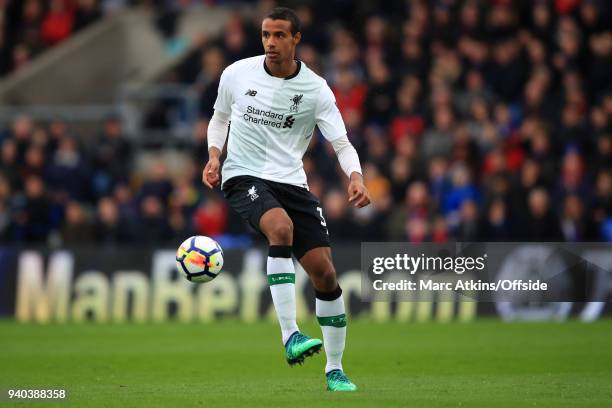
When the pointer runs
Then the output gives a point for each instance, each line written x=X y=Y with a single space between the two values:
x=332 y=318
x=281 y=278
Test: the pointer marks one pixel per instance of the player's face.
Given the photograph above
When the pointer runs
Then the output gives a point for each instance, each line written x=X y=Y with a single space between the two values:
x=278 y=42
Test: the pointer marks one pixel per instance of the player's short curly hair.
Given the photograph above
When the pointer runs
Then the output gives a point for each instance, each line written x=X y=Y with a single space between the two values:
x=285 y=13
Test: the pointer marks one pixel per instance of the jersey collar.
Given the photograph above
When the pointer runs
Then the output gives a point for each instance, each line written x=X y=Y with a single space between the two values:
x=297 y=71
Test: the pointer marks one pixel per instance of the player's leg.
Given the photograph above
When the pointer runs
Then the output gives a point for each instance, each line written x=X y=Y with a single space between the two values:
x=276 y=225
x=317 y=263
x=257 y=203
x=311 y=248
x=329 y=303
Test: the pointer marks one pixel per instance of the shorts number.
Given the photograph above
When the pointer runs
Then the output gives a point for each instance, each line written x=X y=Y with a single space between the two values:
x=320 y=210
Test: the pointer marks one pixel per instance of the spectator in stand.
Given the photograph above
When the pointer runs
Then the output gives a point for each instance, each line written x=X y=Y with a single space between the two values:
x=182 y=206
x=345 y=54
x=68 y=170
x=158 y=183
x=350 y=94
x=126 y=203
x=28 y=26
x=185 y=196
x=540 y=150
x=377 y=43
x=86 y=13
x=378 y=149
x=21 y=56
x=378 y=103
x=179 y=226
x=461 y=190
x=57 y=131
x=77 y=229
x=602 y=159
x=508 y=72
x=34 y=163
x=411 y=221
x=21 y=133
x=600 y=67
x=467 y=229
x=312 y=35
x=5 y=210
x=479 y=124
x=438 y=181
x=235 y=41
x=572 y=177
x=541 y=223
x=57 y=25
x=152 y=225
x=438 y=141
x=401 y=174
x=308 y=55
x=496 y=224
x=35 y=210
x=573 y=222
x=407 y=120
x=601 y=207
x=336 y=216
x=111 y=156
x=109 y=227
x=207 y=82
x=210 y=218
x=8 y=164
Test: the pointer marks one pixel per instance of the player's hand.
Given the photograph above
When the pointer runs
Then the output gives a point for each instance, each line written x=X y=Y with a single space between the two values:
x=210 y=175
x=357 y=192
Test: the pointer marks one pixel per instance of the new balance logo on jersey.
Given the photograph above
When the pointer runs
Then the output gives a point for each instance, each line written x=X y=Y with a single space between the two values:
x=252 y=193
x=251 y=92
x=289 y=122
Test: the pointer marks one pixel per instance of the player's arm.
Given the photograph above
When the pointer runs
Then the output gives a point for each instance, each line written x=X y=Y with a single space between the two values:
x=217 y=130
x=349 y=162
x=217 y=134
x=330 y=123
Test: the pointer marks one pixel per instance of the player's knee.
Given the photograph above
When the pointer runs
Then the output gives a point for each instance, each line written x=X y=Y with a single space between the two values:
x=325 y=278
x=281 y=233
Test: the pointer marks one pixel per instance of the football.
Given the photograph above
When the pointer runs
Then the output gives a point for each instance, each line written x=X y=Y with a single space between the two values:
x=199 y=259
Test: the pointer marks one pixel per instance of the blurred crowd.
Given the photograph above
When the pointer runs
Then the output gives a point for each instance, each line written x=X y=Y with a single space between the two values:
x=474 y=121
x=28 y=27
x=56 y=189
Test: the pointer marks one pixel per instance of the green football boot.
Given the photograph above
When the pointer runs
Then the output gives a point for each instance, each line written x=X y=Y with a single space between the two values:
x=299 y=346
x=337 y=381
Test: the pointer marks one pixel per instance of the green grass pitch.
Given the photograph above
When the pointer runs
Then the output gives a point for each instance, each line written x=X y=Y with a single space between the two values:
x=232 y=364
